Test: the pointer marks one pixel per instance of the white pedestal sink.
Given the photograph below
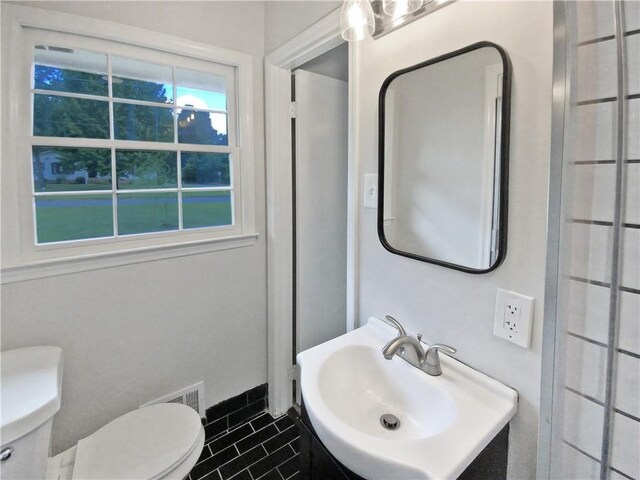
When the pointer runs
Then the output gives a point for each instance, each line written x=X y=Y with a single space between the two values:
x=445 y=421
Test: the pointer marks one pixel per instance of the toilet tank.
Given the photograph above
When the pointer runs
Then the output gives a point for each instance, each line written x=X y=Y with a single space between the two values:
x=31 y=380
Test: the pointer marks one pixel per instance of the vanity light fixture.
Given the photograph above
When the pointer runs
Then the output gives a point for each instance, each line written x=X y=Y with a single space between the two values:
x=390 y=15
x=399 y=8
x=356 y=20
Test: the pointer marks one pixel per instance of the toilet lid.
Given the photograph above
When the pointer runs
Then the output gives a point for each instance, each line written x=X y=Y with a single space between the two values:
x=143 y=444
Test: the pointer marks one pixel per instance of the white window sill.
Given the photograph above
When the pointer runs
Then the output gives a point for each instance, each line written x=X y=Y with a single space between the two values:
x=65 y=266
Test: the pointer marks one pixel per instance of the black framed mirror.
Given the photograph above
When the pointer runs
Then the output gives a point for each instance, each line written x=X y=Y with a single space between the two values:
x=443 y=155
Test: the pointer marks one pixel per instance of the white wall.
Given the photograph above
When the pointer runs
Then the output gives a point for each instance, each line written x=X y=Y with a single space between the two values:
x=321 y=208
x=334 y=63
x=237 y=25
x=133 y=333
x=445 y=305
x=286 y=19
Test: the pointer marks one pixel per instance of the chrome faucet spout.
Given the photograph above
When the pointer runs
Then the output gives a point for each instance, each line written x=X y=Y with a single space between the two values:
x=389 y=319
x=426 y=360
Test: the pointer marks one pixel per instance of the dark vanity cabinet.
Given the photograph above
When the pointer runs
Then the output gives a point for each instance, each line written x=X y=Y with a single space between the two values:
x=317 y=463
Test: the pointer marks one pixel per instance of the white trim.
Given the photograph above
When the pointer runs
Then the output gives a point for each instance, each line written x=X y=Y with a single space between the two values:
x=353 y=196
x=390 y=163
x=279 y=237
x=79 y=142
x=316 y=40
x=490 y=209
x=85 y=263
x=19 y=247
x=319 y=38
x=92 y=27
x=125 y=101
x=126 y=191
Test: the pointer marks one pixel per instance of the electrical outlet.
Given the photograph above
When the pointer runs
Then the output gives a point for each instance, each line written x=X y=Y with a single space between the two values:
x=513 y=317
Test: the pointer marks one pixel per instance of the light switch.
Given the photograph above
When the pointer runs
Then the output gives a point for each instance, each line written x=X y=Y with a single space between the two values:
x=371 y=190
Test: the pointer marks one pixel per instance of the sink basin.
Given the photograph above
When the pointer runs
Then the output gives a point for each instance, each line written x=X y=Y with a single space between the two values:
x=444 y=421
x=367 y=382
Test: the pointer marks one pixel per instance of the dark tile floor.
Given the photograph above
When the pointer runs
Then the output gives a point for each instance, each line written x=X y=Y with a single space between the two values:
x=257 y=446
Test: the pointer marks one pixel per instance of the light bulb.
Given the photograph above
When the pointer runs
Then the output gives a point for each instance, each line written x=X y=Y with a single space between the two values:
x=399 y=8
x=356 y=20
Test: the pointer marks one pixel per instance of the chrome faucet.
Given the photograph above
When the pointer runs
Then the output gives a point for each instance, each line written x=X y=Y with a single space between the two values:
x=399 y=342
x=389 y=319
x=431 y=364
x=427 y=361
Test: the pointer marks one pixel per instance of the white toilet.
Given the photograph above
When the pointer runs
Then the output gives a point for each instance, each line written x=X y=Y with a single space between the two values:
x=161 y=441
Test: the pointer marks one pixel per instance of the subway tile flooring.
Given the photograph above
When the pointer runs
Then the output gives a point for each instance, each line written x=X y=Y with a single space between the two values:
x=257 y=446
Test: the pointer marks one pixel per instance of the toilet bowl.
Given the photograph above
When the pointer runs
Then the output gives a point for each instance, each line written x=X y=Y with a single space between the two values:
x=162 y=441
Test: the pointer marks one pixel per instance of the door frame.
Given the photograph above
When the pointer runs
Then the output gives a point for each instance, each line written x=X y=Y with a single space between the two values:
x=312 y=42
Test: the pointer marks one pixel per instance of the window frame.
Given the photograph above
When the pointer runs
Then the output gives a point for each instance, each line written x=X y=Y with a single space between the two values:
x=29 y=27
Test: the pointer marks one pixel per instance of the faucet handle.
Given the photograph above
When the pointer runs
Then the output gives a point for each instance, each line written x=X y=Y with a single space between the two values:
x=389 y=319
x=444 y=348
x=431 y=362
x=431 y=355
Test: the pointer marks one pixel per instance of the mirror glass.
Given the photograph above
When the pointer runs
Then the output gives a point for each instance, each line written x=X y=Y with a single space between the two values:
x=443 y=148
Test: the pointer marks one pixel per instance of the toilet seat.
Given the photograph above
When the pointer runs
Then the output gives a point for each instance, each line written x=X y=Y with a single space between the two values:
x=148 y=443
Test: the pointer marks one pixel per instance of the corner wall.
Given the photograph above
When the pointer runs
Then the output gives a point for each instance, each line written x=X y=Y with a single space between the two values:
x=131 y=334
x=286 y=19
x=445 y=305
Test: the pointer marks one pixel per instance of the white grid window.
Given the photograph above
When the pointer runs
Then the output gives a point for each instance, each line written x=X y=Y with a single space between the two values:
x=120 y=145
x=123 y=146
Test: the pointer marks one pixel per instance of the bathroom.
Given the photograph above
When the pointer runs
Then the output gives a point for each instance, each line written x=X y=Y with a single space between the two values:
x=221 y=309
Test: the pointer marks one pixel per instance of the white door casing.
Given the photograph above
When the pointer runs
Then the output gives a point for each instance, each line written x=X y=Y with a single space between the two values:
x=316 y=40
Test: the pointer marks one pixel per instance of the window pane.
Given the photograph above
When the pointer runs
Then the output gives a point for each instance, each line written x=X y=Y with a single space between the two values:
x=205 y=169
x=138 y=122
x=206 y=209
x=55 y=116
x=73 y=217
x=202 y=128
x=146 y=169
x=137 y=80
x=67 y=70
x=201 y=90
x=147 y=212
x=57 y=169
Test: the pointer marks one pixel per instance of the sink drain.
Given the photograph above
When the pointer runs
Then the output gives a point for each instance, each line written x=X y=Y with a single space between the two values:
x=390 y=422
